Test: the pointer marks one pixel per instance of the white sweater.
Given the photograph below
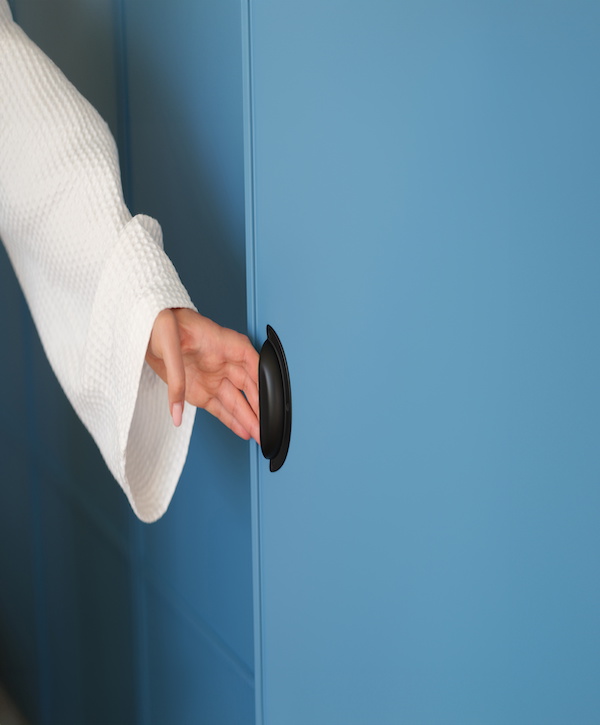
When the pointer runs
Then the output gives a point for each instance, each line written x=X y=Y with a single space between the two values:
x=94 y=277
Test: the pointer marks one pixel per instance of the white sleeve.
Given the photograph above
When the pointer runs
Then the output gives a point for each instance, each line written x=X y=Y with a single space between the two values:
x=94 y=277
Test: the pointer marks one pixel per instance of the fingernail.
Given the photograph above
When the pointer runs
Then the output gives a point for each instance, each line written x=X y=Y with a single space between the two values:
x=177 y=413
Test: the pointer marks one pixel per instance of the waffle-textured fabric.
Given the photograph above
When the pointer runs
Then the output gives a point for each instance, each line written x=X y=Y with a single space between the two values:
x=94 y=277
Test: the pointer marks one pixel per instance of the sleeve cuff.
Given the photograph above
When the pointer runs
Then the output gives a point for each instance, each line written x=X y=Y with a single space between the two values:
x=122 y=401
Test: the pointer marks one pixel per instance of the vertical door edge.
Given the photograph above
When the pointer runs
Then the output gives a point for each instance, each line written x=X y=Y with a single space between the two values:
x=254 y=333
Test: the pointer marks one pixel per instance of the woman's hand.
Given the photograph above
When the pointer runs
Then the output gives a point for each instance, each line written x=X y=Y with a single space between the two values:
x=210 y=366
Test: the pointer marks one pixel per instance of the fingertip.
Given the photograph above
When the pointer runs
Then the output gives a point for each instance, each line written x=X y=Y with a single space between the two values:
x=177 y=413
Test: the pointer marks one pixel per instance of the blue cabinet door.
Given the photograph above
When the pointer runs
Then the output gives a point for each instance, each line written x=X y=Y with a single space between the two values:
x=423 y=235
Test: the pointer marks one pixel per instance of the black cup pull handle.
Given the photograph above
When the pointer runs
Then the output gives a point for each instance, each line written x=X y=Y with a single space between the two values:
x=275 y=400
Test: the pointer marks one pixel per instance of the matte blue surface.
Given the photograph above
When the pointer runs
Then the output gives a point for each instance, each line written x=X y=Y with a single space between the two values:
x=80 y=39
x=198 y=683
x=88 y=618
x=187 y=167
x=17 y=613
x=103 y=619
x=18 y=627
x=200 y=550
x=426 y=235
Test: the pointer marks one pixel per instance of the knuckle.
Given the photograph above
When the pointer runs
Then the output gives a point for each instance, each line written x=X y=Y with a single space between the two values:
x=177 y=389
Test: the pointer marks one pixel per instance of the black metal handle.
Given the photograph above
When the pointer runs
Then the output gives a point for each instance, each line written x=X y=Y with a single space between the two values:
x=275 y=399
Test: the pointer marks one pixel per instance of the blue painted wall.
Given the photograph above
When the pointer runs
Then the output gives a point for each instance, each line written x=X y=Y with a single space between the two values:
x=104 y=619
